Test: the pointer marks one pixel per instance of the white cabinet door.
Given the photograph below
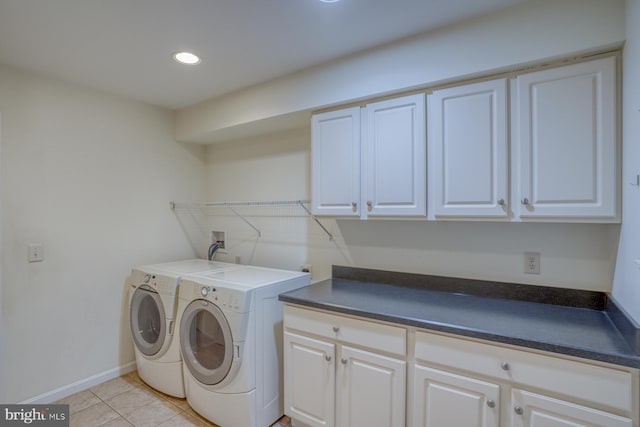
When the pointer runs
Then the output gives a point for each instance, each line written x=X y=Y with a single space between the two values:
x=309 y=380
x=395 y=153
x=565 y=142
x=444 y=399
x=468 y=160
x=371 y=389
x=534 y=410
x=335 y=162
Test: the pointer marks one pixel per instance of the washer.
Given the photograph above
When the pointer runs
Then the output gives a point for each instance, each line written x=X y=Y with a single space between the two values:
x=152 y=313
x=231 y=343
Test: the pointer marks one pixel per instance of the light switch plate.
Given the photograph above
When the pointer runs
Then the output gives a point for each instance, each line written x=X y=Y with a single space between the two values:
x=35 y=252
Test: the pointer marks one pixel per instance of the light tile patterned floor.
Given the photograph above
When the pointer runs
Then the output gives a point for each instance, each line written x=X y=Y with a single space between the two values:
x=127 y=401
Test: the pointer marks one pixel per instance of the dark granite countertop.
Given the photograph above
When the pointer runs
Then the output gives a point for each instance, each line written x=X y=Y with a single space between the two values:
x=590 y=333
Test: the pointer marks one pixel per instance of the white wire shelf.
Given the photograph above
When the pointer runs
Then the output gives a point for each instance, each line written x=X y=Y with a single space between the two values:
x=248 y=209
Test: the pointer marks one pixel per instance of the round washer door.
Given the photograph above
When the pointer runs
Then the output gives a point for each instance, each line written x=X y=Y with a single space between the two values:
x=147 y=321
x=206 y=342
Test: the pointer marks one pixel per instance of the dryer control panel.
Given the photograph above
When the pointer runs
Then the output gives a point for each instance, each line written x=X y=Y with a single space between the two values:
x=160 y=283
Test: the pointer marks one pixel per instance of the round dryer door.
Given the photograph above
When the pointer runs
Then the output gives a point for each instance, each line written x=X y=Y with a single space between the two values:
x=148 y=325
x=206 y=342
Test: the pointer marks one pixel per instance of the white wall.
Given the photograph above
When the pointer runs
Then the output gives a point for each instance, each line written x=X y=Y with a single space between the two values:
x=89 y=176
x=272 y=166
x=276 y=166
x=626 y=289
x=529 y=32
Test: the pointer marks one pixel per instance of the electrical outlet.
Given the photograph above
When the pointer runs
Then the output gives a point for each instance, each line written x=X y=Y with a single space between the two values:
x=532 y=262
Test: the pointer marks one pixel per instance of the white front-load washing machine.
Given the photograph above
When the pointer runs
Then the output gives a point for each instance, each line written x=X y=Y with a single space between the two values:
x=152 y=315
x=231 y=343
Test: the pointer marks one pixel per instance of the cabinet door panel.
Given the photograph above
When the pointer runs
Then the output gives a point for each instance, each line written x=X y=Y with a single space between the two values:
x=371 y=389
x=309 y=380
x=444 y=399
x=335 y=162
x=567 y=141
x=534 y=410
x=468 y=171
x=396 y=157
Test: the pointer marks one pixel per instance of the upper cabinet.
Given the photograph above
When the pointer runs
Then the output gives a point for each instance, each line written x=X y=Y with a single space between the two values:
x=395 y=153
x=541 y=146
x=335 y=162
x=386 y=141
x=564 y=147
x=565 y=144
x=468 y=153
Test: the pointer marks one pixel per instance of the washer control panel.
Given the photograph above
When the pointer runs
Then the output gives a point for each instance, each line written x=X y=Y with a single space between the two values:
x=223 y=297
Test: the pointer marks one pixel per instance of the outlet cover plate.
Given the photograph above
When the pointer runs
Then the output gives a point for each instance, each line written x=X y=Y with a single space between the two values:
x=532 y=262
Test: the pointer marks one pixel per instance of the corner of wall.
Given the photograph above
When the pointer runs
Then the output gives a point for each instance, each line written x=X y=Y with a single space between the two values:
x=626 y=285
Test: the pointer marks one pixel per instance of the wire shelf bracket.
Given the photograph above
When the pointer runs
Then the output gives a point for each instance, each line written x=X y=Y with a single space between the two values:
x=235 y=207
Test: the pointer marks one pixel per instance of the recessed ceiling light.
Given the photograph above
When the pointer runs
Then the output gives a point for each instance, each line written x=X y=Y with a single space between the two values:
x=329 y=1
x=186 y=58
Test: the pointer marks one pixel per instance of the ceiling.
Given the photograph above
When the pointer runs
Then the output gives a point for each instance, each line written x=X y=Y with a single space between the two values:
x=125 y=46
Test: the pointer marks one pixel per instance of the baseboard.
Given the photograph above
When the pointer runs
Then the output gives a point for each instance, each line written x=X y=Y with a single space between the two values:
x=68 y=390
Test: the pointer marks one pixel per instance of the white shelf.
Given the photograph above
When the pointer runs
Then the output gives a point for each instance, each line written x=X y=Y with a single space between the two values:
x=245 y=210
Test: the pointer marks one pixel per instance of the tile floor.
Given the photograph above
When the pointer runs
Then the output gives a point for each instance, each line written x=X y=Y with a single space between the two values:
x=127 y=401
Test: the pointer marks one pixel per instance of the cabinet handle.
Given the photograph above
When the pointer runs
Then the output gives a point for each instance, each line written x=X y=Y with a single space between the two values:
x=327 y=358
x=354 y=206
x=369 y=206
x=344 y=361
x=525 y=201
x=491 y=403
x=518 y=410
x=336 y=329
x=505 y=366
x=501 y=202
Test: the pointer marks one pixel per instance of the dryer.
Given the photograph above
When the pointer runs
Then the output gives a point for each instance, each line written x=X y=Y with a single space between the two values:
x=231 y=343
x=152 y=314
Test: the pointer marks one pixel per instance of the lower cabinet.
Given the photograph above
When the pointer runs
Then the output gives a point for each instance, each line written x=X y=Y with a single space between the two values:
x=446 y=399
x=309 y=380
x=346 y=372
x=443 y=399
x=534 y=410
x=332 y=382
x=460 y=382
x=370 y=389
